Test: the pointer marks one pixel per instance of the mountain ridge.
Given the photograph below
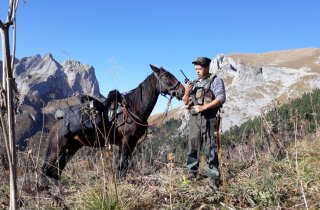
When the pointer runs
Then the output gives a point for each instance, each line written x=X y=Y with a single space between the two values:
x=257 y=82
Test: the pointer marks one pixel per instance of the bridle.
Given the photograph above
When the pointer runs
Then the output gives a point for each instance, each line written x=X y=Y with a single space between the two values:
x=171 y=89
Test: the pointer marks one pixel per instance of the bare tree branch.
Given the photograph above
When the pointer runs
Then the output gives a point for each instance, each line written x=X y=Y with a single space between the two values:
x=8 y=85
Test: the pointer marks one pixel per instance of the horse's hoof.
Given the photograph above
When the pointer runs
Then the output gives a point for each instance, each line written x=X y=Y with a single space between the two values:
x=55 y=190
x=43 y=184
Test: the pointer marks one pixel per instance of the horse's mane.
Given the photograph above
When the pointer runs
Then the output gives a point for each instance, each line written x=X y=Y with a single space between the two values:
x=138 y=94
x=133 y=96
x=113 y=95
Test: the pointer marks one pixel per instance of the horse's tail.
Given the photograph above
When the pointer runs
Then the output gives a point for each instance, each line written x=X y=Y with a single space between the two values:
x=48 y=166
x=52 y=136
x=114 y=96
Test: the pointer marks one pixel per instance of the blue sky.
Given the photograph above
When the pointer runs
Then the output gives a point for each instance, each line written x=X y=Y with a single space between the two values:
x=121 y=38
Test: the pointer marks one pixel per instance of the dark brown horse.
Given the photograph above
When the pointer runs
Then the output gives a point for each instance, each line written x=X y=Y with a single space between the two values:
x=121 y=120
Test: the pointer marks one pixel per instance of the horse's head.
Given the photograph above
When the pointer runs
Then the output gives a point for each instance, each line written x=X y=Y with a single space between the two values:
x=168 y=84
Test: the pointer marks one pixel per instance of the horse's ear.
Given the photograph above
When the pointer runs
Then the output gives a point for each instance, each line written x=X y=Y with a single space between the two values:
x=154 y=69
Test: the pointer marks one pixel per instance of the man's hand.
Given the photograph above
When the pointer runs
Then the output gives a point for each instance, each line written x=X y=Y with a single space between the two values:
x=199 y=108
x=186 y=96
x=215 y=103
x=188 y=87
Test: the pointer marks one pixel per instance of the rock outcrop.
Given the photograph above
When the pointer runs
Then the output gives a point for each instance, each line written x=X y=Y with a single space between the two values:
x=255 y=83
x=41 y=80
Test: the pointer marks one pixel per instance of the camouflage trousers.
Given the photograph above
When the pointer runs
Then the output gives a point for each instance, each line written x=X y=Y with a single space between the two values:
x=202 y=137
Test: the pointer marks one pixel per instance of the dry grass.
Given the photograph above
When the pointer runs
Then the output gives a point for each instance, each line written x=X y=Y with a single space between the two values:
x=296 y=58
x=255 y=178
x=279 y=184
x=160 y=118
x=252 y=182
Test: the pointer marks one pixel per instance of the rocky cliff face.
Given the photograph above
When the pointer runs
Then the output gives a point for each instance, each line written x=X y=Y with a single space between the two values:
x=41 y=80
x=257 y=82
x=44 y=79
x=81 y=78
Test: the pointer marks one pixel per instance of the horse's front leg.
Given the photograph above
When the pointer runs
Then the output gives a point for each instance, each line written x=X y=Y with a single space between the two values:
x=123 y=160
x=125 y=152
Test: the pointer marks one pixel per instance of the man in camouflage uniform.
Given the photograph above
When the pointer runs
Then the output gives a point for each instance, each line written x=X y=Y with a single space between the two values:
x=204 y=97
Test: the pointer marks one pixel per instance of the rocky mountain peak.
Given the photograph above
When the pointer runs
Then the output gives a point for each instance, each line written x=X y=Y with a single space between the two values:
x=41 y=80
x=81 y=77
x=44 y=78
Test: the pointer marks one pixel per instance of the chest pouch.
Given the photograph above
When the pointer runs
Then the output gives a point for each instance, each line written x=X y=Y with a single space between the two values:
x=208 y=97
x=199 y=95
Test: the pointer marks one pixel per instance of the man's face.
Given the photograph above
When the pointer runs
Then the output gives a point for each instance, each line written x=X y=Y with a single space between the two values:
x=202 y=72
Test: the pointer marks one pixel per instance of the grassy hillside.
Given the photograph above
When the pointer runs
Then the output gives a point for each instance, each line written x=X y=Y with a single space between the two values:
x=297 y=118
x=270 y=162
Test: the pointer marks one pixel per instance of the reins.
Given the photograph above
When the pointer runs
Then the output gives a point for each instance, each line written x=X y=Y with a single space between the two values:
x=165 y=115
x=127 y=111
x=135 y=118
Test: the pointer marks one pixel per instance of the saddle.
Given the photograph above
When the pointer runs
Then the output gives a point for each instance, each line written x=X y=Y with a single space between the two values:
x=119 y=109
x=116 y=114
x=89 y=113
x=116 y=105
